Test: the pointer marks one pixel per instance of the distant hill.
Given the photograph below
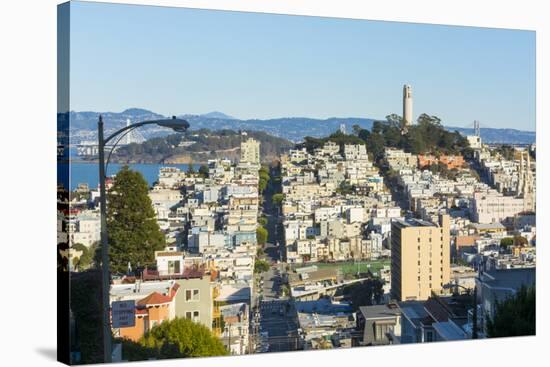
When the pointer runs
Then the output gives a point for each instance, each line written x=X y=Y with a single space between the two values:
x=504 y=136
x=84 y=126
x=291 y=128
x=200 y=146
x=218 y=115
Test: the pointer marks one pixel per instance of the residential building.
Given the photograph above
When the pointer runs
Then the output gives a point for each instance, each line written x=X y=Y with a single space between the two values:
x=250 y=151
x=492 y=207
x=380 y=324
x=420 y=258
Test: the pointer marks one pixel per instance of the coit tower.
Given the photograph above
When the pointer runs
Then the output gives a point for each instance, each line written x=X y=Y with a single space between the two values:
x=407 y=105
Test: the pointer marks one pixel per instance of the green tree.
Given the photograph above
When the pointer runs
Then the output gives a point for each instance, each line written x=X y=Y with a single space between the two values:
x=515 y=316
x=178 y=338
x=395 y=120
x=260 y=266
x=277 y=199
x=262 y=185
x=376 y=145
x=520 y=241
x=363 y=134
x=203 y=171
x=262 y=221
x=261 y=235
x=85 y=259
x=190 y=168
x=365 y=293
x=264 y=178
x=425 y=119
x=506 y=242
x=285 y=290
x=134 y=234
x=311 y=143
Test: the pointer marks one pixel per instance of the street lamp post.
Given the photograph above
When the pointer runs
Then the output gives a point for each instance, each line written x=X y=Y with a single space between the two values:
x=107 y=347
x=178 y=125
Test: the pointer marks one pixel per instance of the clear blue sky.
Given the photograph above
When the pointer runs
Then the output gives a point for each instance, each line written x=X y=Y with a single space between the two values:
x=175 y=61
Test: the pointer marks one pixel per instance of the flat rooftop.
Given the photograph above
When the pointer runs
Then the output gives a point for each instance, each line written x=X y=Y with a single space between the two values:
x=413 y=222
x=380 y=311
x=319 y=275
x=140 y=290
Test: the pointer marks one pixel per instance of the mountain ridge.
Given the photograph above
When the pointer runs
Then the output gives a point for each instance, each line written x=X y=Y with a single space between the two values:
x=84 y=124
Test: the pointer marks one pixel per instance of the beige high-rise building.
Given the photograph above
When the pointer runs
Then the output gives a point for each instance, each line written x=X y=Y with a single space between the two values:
x=250 y=151
x=407 y=105
x=420 y=258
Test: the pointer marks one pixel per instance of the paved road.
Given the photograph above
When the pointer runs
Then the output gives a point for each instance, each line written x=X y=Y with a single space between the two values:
x=277 y=318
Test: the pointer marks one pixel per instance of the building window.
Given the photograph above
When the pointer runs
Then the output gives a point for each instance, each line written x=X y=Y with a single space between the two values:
x=189 y=315
x=192 y=295
x=195 y=315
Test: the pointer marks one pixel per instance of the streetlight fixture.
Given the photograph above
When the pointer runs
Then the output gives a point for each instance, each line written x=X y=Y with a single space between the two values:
x=178 y=125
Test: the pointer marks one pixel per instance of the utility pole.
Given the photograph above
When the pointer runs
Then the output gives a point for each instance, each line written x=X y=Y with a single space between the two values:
x=107 y=342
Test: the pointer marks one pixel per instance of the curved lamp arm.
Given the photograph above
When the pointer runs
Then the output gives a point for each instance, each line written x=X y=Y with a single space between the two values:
x=178 y=125
x=113 y=149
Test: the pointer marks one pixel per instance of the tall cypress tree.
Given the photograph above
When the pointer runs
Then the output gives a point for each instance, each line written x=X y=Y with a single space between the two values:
x=134 y=234
x=514 y=316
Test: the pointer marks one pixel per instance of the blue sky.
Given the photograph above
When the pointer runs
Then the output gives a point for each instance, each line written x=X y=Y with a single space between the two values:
x=175 y=61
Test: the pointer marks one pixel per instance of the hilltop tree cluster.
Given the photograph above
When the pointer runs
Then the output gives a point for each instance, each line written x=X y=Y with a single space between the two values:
x=427 y=136
x=204 y=141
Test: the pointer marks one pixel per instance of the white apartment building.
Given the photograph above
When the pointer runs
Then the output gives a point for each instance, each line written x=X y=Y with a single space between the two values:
x=492 y=207
x=250 y=151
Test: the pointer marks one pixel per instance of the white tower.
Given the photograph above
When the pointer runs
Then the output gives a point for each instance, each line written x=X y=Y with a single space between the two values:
x=343 y=128
x=407 y=105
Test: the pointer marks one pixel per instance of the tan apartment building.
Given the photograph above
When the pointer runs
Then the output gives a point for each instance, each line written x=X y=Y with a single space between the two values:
x=420 y=255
